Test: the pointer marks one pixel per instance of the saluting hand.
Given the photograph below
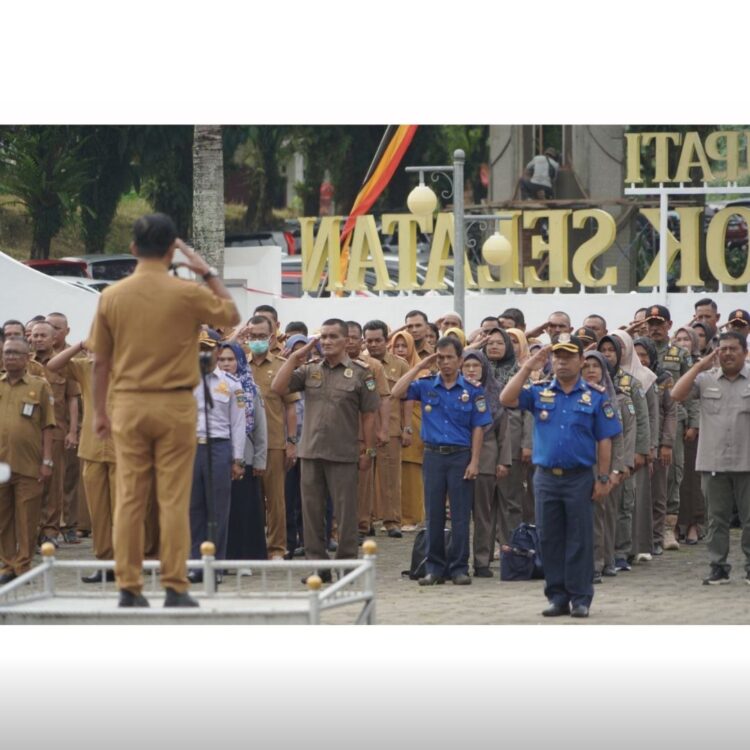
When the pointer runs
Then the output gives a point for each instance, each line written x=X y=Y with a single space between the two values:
x=709 y=361
x=300 y=356
x=538 y=360
x=193 y=262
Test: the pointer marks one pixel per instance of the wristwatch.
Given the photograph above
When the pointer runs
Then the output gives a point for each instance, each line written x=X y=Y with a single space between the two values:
x=292 y=440
x=239 y=462
x=408 y=430
x=371 y=452
x=48 y=462
x=603 y=478
x=212 y=273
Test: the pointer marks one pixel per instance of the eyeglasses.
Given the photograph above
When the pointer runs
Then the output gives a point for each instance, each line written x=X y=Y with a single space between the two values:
x=11 y=353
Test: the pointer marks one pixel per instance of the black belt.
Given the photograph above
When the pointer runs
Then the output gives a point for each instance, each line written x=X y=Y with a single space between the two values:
x=445 y=449
x=205 y=441
x=565 y=472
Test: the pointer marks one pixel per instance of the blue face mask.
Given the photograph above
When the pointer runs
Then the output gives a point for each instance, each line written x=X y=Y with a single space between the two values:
x=258 y=347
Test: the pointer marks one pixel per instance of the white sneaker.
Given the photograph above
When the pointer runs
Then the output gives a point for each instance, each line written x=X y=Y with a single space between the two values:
x=643 y=557
x=244 y=571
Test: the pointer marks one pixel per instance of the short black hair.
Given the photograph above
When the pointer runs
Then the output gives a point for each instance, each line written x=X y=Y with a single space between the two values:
x=36 y=319
x=447 y=341
x=13 y=322
x=376 y=325
x=267 y=309
x=21 y=341
x=434 y=329
x=256 y=320
x=490 y=317
x=706 y=301
x=343 y=327
x=153 y=235
x=412 y=313
x=598 y=317
x=641 y=309
x=353 y=324
x=736 y=336
x=514 y=314
x=560 y=312
x=296 y=326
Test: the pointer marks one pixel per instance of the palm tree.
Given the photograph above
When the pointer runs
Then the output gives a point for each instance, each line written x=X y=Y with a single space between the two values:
x=208 y=194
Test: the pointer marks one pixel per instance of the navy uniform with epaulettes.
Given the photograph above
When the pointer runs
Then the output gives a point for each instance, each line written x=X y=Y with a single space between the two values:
x=567 y=428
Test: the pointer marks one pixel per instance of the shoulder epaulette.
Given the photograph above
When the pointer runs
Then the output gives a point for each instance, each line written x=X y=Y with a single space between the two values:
x=232 y=377
x=597 y=387
x=361 y=363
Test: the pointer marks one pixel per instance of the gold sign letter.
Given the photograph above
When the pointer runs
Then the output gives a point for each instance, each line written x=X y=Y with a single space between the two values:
x=315 y=251
x=715 y=246
x=591 y=249
x=556 y=249
x=366 y=253
x=406 y=226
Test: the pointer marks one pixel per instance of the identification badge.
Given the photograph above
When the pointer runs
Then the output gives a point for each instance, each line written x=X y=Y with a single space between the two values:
x=631 y=408
x=481 y=405
x=428 y=408
x=586 y=398
x=547 y=399
x=544 y=415
x=465 y=396
x=315 y=375
x=547 y=393
x=348 y=373
x=28 y=410
x=609 y=412
x=222 y=388
x=370 y=383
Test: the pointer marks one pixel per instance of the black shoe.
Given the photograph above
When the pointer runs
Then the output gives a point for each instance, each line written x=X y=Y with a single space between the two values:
x=622 y=564
x=461 y=580
x=7 y=578
x=324 y=575
x=98 y=577
x=483 y=573
x=556 y=610
x=395 y=533
x=333 y=545
x=175 y=599
x=360 y=539
x=371 y=531
x=718 y=576
x=597 y=577
x=431 y=580
x=580 y=610
x=657 y=550
x=609 y=571
x=299 y=552
x=195 y=576
x=129 y=599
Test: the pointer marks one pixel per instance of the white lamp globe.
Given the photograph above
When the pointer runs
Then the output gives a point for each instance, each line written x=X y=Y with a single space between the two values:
x=422 y=200
x=497 y=250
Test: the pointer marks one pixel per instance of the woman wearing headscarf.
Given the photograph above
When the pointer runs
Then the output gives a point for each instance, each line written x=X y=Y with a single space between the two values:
x=623 y=365
x=247 y=535
x=457 y=333
x=412 y=451
x=501 y=354
x=645 y=349
x=596 y=371
x=706 y=333
x=692 y=513
x=489 y=508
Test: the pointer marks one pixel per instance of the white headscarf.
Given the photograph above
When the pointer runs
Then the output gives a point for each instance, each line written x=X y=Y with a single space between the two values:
x=630 y=362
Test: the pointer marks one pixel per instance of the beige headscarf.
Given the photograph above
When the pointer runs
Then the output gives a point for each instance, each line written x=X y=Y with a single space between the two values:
x=630 y=362
x=457 y=333
x=523 y=353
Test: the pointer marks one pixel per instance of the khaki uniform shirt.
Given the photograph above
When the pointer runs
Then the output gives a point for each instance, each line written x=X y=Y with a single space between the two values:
x=334 y=399
x=26 y=408
x=148 y=325
x=263 y=374
x=424 y=352
x=90 y=448
x=63 y=388
x=676 y=361
x=724 y=437
x=394 y=367
x=632 y=387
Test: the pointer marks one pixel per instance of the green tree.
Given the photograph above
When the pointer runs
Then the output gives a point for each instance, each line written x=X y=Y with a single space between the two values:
x=45 y=169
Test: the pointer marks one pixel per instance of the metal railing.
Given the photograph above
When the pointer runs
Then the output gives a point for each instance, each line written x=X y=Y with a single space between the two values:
x=257 y=582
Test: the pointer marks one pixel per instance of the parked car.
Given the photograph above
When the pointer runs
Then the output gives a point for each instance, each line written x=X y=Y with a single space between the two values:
x=57 y=267
x=279 y=238
x=108 y=267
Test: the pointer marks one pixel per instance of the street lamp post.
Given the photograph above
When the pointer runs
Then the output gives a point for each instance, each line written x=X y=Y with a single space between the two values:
x=423 y=201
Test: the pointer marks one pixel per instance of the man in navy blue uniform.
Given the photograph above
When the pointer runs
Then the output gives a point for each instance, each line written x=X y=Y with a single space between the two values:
x=454 y=415
x=573 y=426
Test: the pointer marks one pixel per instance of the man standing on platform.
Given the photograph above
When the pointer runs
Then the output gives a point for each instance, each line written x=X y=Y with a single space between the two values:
x=153 y=411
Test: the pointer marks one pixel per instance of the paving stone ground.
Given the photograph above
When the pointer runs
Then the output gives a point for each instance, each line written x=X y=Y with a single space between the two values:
x=665 y=591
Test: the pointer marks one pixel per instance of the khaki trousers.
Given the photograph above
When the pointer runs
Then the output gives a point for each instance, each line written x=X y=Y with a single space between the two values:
x=365 y=499
x=605 y=522
x=722 y=491
x=99 y=481
x=486 y=510
x=71 y=482
x=388 y=484
x=154 y=437
x=52 y=496
x=412 y=493
x=20 y=508
x=512 y=494
x=320 y=478
x=642 y=519
x=273 y=487
x=659 y=500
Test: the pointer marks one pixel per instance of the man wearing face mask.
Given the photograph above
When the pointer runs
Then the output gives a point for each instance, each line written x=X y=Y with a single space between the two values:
x=281 y=416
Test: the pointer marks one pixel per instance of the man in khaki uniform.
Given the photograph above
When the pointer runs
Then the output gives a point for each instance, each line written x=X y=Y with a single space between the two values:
x=416 y=324
x=65 y=392
x=27 y=418
x=366 y=482
x=337 y=391
x=153 y=412
x=281 y=417
x=388 y=459
x=97 y=456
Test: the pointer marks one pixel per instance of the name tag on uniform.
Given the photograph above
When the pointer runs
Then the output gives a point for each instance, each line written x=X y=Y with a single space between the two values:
x=28 y=410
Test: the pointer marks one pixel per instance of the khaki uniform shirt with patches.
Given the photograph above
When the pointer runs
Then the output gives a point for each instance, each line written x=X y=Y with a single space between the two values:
x=263 y=374
x=26 y=408
x=63 y=388
x=334 y=399
x=394 y=367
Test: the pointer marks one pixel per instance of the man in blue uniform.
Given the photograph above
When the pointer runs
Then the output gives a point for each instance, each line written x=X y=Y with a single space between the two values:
x=573 y=426
x=454 y=415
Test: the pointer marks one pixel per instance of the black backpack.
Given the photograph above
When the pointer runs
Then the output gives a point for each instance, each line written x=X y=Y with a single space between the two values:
x=418 y=568
x=521 y=560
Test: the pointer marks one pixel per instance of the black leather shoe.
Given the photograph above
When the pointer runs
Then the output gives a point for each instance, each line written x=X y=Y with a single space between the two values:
x=371 y=531
x=324 y=575
x=195 y=576
x=176 y=599
x=483 y=573
x=395 y=533
x=609 y=571
x=7 y=578
x=597 y=577
x=129 y=599
x=580 y=610
x=97 y=577
x=461 y=580
x=431 y=580
x=556 y=610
